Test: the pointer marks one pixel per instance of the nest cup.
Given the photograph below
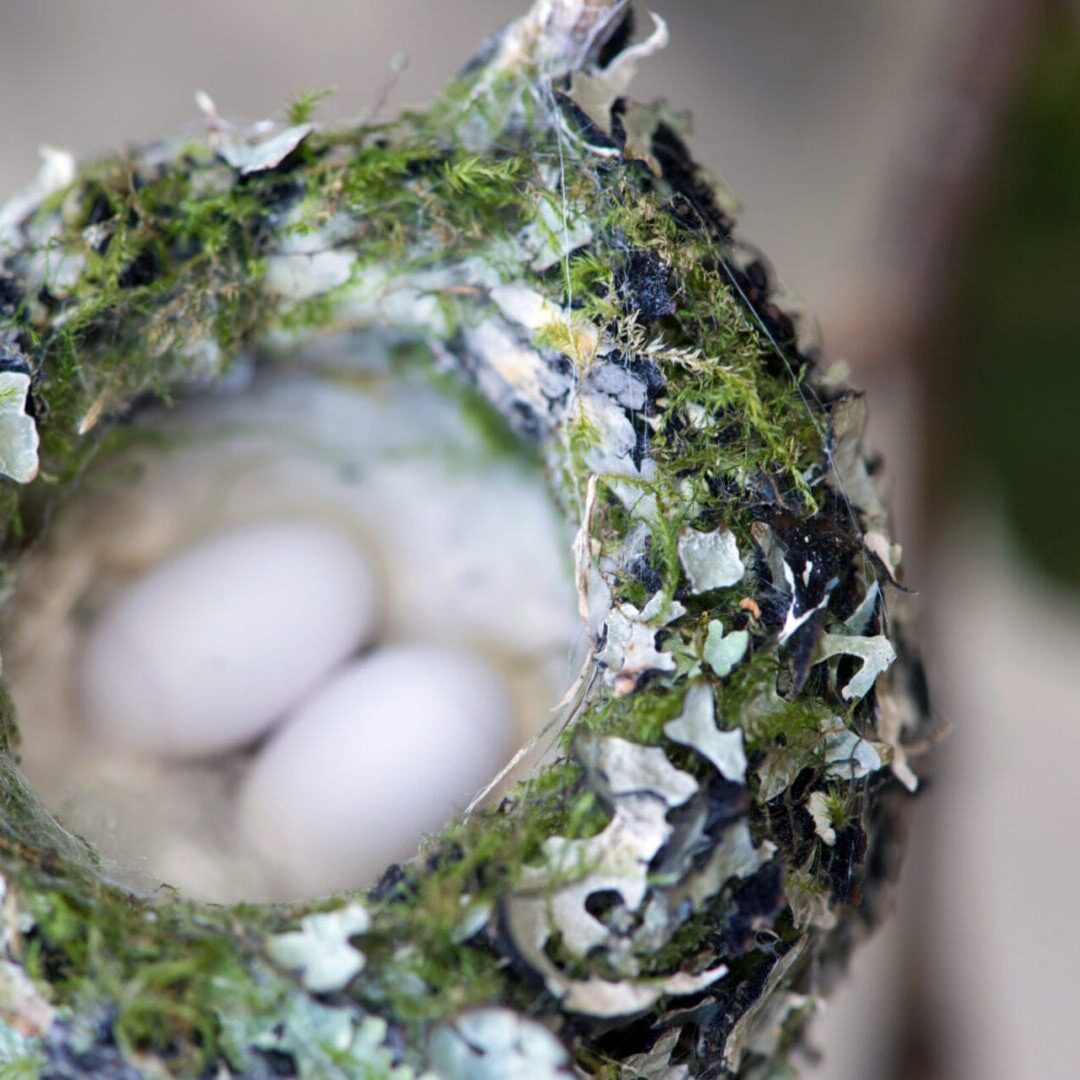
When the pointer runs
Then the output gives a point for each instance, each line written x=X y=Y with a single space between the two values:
x=238 y=509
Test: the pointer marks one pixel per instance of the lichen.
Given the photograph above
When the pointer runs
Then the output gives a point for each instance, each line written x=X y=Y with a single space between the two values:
x=672 y=387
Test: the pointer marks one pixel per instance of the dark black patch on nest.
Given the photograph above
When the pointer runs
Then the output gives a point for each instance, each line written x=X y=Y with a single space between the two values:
x=817 y=544
x=618 y=37
x=583 y=123
x=642 y=436
x=919 y=686
x=394 y=886
x=729 y=429
x=625 y=1040
x=801 y=650
x=728 y=801
x=844 y=862
x=694 y=203
x=772 y=601
x=280 y=196
x=276 y=1063
x=602 y=903
x=425 y=164
x=641 y=569
x=100 y=209
x=560 y=364
x=730 y=1001
x=11 y=297
x=772 y=491
x=649 y=373
x=446 y=853
x=820 y=556
x=753 y=288
x=144 y=269
x=787 y=821
x=13 y=360
x=525 y=422
x=644 y=285
x=78 y=1055
x=634 y=166
x=752 y=906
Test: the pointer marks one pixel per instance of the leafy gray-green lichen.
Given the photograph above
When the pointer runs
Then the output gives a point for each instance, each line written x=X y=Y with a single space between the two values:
x=658 y=900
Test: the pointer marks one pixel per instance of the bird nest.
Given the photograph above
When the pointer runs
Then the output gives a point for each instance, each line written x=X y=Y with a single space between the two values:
x=662 y=897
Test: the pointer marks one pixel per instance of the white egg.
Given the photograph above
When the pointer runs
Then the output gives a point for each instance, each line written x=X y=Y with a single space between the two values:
x=386 y=752
x=209 y=648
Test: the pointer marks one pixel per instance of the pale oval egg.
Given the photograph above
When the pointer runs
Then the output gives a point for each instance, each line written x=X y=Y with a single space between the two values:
x=386 y=752
x=209 y=648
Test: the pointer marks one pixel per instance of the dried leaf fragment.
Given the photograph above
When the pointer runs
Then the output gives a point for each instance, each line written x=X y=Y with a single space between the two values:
x=897 y=714
x=655 y=1064
x=809 y=901
x=747 y=1026
x=890 y=554
x=595 y=92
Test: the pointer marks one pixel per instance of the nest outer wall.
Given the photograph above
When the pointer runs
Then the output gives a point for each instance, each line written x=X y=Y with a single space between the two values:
x=662 y=900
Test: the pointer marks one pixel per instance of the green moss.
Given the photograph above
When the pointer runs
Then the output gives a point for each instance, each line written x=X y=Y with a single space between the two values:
x=159 y=965
x=302 y=107
x=480 y=859
x=590 y=282
x=840 y=804
x=747 y=699
x=641 y=716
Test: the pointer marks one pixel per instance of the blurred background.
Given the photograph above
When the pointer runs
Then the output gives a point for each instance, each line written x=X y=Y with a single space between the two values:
x=913 y=170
